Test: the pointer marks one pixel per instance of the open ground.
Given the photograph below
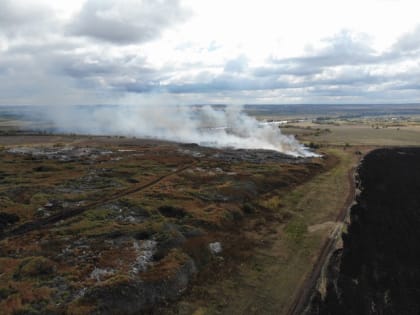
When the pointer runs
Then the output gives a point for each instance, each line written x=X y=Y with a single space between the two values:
x=86 y=218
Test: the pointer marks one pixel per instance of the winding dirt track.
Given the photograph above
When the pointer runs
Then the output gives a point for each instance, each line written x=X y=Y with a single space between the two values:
x=303 y=296
x=70 y=212
x=301 y=299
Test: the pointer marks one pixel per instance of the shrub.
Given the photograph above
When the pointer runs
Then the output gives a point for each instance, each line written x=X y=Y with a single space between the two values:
x=35 y=267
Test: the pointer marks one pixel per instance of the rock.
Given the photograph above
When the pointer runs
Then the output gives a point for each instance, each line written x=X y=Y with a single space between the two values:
x=99 y=274
x=145 y=251
x=170 y=237
x=131 y=296
x=215 y=248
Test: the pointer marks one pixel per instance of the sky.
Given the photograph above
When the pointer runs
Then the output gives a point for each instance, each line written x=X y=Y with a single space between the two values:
x=153 y=52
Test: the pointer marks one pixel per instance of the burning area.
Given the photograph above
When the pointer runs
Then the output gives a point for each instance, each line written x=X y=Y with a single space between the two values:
x=107 y=224
x=220 y=127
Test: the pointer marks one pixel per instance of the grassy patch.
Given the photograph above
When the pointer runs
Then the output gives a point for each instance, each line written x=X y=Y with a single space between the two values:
x=277 y=269
x=296 y=230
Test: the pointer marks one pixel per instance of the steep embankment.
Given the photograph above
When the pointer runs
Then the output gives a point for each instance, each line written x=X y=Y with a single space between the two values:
x=378 y=269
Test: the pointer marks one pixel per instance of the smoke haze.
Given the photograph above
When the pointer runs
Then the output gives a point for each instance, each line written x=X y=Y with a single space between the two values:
x=204 y=125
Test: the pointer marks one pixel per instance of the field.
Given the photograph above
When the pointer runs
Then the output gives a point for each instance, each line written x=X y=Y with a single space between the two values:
x=118 y=225
x=369 y=133
x=84 y=218
x=266 y=280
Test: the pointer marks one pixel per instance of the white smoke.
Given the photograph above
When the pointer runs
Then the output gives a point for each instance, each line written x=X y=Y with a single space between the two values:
x=204 y=125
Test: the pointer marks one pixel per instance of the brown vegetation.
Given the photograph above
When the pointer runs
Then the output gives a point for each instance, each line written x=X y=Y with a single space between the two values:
x=94 y=217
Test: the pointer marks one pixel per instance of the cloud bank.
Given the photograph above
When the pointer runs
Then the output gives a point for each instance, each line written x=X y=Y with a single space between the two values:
x=126 y=21
x=189 y=52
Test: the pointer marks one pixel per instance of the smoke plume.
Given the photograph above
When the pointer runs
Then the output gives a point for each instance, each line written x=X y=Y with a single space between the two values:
x=204 y=125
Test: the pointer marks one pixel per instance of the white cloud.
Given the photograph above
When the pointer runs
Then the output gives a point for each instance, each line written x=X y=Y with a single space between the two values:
x=17 y=18
x=126 y=21
x=200 y=51
x=409 y=42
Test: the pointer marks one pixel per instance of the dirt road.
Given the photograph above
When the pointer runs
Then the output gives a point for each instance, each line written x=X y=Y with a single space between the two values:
x=70 y=212
x=301 y=300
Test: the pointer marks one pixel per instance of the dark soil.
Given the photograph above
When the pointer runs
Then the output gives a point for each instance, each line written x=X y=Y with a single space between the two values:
x=7 y=219
x=378 y=269
x=172 y=212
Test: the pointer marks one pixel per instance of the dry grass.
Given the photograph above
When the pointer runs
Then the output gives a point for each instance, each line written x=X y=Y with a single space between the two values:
x=367 y=133
x=210 y=194
x=266 y=282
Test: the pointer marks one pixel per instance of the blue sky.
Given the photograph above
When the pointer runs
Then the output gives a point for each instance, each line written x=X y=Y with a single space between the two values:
x=202 y=51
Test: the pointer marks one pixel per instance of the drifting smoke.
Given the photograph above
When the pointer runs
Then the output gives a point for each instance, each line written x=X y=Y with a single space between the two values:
x=207 y=126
